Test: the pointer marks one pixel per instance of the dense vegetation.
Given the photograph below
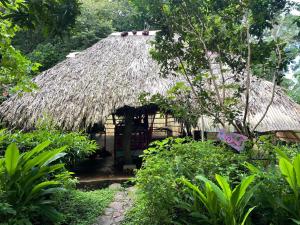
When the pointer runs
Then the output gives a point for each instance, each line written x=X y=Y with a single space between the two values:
x=27 y=181
x=82 y=207
x=183 y=182
x=240 y=38
x=78 y=146
x=90 y=21
x=35 y=186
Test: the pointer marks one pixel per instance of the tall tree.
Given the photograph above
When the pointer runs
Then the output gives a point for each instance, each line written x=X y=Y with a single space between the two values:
x=53 y=17
x=216 y=46
x=14 y=67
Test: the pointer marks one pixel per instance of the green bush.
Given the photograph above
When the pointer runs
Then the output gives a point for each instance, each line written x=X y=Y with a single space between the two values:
x=219 y=204
x=162 y=200
x=78 y=145
x=168 y=160
x=268 y=196
x=83 y=207
x=278 y=196
x=27 y=182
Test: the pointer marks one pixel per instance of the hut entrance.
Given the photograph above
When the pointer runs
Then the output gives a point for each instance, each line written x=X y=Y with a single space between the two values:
x=133 y=133
x=135 y=128
x=123 y=138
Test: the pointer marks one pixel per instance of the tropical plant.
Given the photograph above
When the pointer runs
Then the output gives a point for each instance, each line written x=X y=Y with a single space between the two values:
x=78 y=145
x=290 y=170
x=222 y=204
x=166 y=161
x=178 y=102
x=27 y=181
x=276 y=199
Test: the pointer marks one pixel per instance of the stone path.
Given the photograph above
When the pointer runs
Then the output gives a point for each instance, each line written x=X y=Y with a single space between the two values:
x=115 y=213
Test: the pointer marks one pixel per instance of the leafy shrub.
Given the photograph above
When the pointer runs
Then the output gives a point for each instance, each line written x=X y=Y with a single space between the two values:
x=289 y=167
x=168 y=160
x=83 y=207
x=78 y=145
x=162 y=200
x=276 y=199
x=266 y=197
x=27 y=181
x=217 y=205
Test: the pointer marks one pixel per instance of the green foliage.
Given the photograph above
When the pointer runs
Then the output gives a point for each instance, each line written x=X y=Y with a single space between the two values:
x=14 y=67
x=222 y=204
x=236 y=32
x=178 y=102
x=82 y=207
x=290 y=170
x=168 y=160
x=52 y=17
x=162 y=200
x=47 y=55
x=293 y=86
x=78 y=145
x=268 y=196
x=276 y=199
x=97 y=19
x=27 y=181
x=125 y=16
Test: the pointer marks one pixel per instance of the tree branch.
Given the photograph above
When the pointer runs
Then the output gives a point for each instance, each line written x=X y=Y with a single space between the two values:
x=279 y=61
x=268 y=106
x=247 y=96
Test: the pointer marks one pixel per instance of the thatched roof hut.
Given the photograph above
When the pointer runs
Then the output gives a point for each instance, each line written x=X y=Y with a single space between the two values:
x=87 y=88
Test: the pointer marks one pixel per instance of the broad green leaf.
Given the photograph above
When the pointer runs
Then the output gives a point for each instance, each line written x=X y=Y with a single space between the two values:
x=296 y=221
x=11 y=158
x=239 y=191
x=45 y=184
x=224 y=185
x=221 y=196
x=42 y=158
x=53 y=155
x=296 y=165
x=211 y=199
x=36 y=150
x=54 y=158
x=46 y=170
x=288 y=172
x=194 y=188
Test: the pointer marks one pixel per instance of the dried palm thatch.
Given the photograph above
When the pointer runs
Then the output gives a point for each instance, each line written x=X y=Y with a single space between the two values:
x=283 y=114
x=87 y=88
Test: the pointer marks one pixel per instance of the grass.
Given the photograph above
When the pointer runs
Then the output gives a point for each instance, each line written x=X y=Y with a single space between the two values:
x=83 y=207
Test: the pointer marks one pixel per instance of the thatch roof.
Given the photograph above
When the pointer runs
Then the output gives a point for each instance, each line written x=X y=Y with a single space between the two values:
x=85 y=89
x=88 y=87
x=283 y=114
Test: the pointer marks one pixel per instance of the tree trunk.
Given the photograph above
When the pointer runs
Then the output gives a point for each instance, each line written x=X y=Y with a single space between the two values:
x=127 y=138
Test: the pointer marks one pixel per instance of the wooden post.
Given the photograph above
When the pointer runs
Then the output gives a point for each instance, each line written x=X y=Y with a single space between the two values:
x=202 y=128
x=127 y=137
